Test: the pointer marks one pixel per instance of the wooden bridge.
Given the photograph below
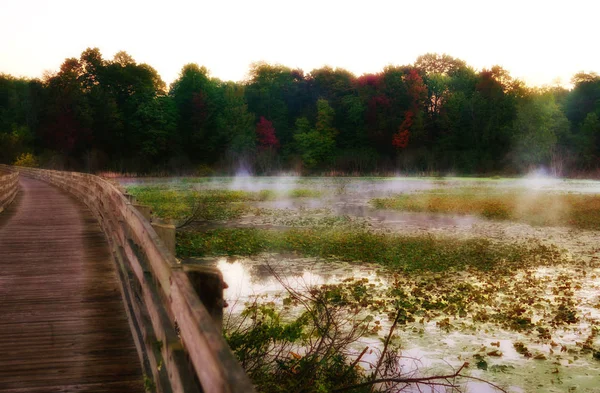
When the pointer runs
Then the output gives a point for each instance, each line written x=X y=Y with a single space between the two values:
x=91 y=299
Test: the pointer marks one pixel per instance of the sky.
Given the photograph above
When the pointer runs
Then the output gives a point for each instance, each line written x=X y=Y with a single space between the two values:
x=536 y=41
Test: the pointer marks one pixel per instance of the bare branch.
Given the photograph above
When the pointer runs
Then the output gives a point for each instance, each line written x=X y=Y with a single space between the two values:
x=419 y=380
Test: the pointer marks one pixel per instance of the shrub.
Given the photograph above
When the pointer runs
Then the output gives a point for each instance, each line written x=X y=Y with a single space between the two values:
x=27 y=160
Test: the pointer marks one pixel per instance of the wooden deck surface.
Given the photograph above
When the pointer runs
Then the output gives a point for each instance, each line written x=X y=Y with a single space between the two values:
x=63 y=325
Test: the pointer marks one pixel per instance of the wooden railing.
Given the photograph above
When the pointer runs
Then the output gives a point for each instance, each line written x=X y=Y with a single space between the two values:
x=9 y=186
x=180 y=346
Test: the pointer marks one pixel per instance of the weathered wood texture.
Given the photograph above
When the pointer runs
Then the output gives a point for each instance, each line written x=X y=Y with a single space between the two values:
x=178 y=342
x=9 y=186
x=63 y=325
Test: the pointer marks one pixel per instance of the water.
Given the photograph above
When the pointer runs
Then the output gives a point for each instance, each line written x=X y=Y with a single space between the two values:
x=425 y=346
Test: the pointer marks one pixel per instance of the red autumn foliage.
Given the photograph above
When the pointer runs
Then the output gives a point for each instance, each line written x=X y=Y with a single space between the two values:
x=400 y=139
x=375 y=80
x=416 y=88
x=266 y=134
x=418 y=94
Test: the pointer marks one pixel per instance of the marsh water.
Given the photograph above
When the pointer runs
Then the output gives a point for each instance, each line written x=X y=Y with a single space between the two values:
x=425 y=346
x=429 y=346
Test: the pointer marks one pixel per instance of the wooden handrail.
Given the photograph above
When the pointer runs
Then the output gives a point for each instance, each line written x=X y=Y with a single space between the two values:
x=9 y=186
x=177 y=340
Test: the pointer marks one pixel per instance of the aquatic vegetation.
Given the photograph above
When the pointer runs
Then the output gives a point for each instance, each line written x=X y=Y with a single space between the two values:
x=409 y=253
x=305 y=217
x=165 y=202
x=183 y=201
x=532 y=207
x=522 y=349
x=304 y=193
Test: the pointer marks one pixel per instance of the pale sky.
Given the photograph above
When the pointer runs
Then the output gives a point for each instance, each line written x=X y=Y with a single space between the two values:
x=537 y=41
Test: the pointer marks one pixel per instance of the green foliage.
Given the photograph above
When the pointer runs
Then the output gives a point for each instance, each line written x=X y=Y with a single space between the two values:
x=316 y=145
x=587 y=141
x=539 y=125
x=27 y=160
x=402 y=252
x=236 y=123
x=267 y=330
x=307 y=352
x=156 y=122
x=279 y=94
x=181 y=203
x=149 y=385
x=199 y=101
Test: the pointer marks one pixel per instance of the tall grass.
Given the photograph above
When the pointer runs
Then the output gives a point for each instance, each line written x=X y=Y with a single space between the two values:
x=536 y=208
x=408 y=253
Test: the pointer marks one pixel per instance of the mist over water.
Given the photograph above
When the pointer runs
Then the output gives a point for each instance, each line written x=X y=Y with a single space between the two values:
x=244 y=180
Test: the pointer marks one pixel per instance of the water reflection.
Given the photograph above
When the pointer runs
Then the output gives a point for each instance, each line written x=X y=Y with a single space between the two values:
x=248 y=278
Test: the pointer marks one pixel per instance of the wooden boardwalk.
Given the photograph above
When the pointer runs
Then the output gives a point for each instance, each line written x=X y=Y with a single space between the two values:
x=63 y=325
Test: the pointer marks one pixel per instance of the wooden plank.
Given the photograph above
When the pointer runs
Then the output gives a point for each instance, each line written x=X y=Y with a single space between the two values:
x=63 y=326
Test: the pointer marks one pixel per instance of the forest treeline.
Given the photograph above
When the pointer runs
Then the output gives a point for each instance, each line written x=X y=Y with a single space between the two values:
x=436 y=115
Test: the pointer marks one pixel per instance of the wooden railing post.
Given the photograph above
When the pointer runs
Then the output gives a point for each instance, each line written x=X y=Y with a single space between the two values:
x=208 y=283
x=166 y=232
x=145 y=210
x=9 y=186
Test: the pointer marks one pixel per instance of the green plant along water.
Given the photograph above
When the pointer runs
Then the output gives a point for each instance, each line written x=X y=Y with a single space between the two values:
x=179 y=200
x=297 y=354
x=407 y=253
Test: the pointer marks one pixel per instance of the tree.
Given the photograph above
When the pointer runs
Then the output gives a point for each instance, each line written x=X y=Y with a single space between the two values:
x=588 y=141
x=124 y=102
x=236 y=123
x=198 y=101
x=379 y=119
x=417 y=94
x=316 y=145
x=278 y=93
x=67 y=120
x=537 y=128
x=155 y=122
x=265 y=133
x=338 y=86
x=123 y=59
x=401 y=138
x=20 y=106
x=434 y=63
x=583 y=77
x=92 y=66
